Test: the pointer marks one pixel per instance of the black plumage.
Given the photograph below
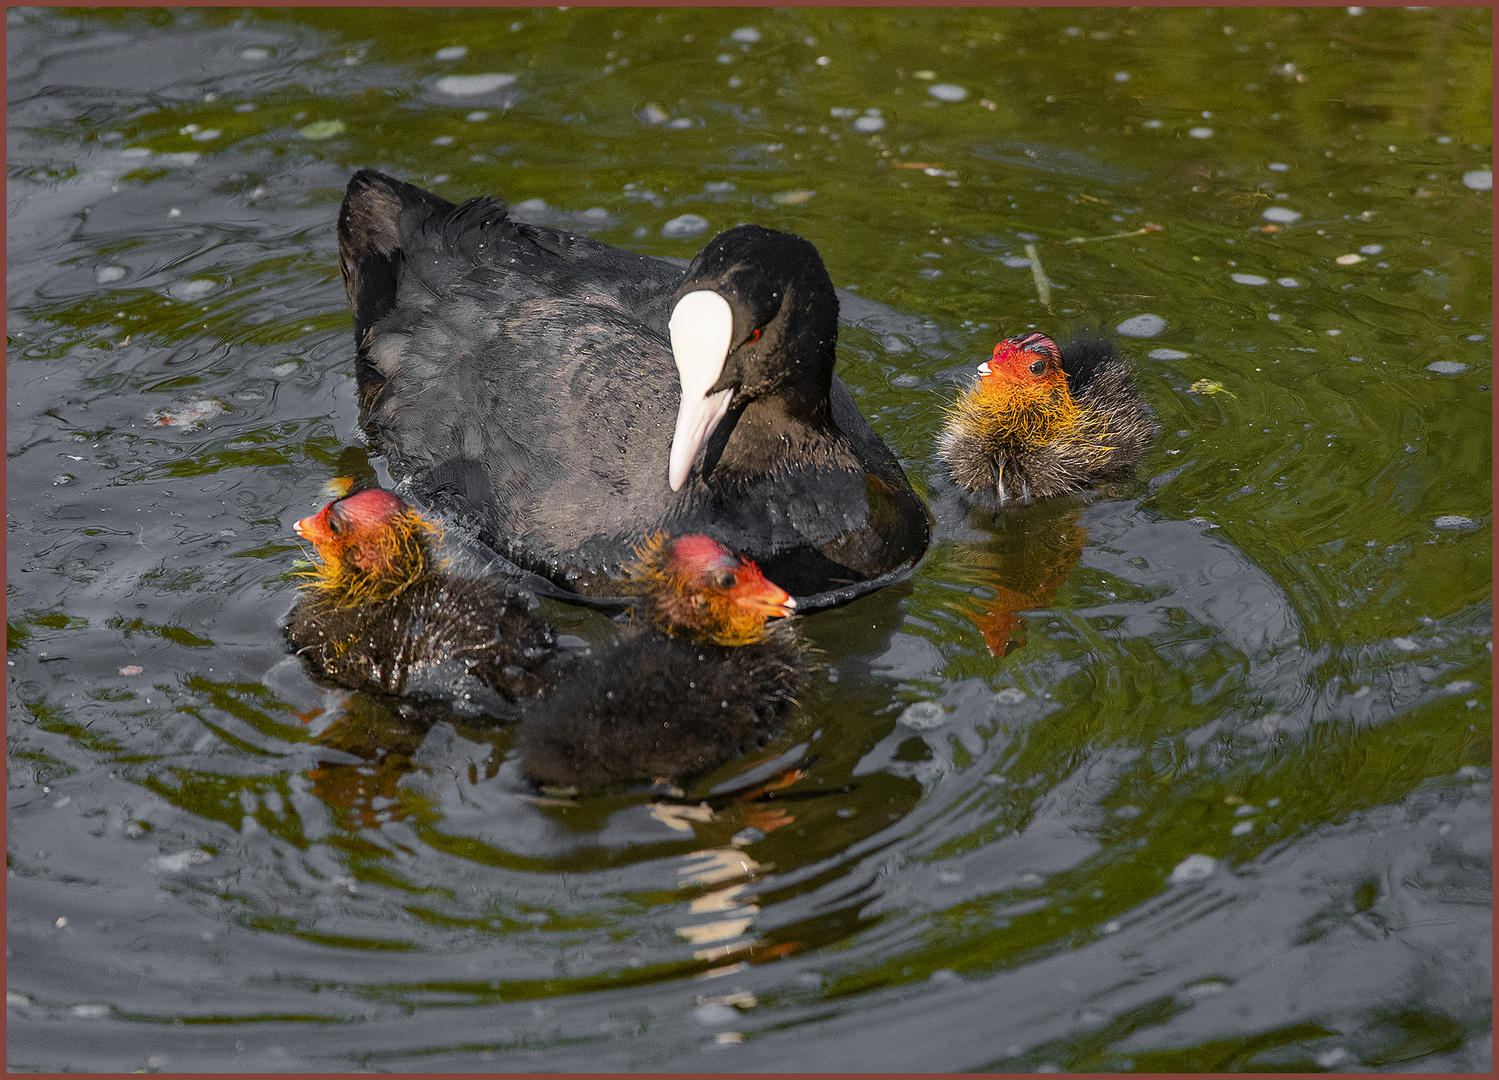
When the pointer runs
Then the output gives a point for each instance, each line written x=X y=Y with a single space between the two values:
x=660 y=708
x=524 y=378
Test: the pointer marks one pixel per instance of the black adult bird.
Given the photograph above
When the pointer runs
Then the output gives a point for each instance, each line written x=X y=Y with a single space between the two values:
x=573 y=399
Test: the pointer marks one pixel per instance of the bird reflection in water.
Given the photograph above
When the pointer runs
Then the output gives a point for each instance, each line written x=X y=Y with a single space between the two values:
x=724 y=873
x=1022 y=566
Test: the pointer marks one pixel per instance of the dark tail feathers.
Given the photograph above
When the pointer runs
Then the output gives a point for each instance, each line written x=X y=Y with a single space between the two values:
x=369 y=241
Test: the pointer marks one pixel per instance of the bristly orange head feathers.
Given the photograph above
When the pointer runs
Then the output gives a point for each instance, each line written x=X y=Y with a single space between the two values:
x=1021 y=397
x=370 y=547
x=699 y=589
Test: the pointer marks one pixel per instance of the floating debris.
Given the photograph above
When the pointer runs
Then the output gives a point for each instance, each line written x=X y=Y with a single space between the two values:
x=1447 y=367
x=1210 y=386
x=947 y=92
x=1455 y=521
x=131 y=669
x=1283 y=214
x=1349 y=259
x=1479 y=179
x=452 y=52
x=1249 y=279
x=1043 y=287
x=189 y=416
x=1167 y=354
x=322 y=129
x=791 y=198
x=1201 y=133
x=1148 y=227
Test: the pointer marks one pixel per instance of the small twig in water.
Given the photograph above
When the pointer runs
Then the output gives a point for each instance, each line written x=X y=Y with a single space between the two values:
x=1149 y=228
x=1043 y=287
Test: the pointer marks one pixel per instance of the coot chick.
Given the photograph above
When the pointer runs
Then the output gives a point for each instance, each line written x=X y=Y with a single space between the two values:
x=711 y=682
x=572 y=399
x=378 y=613
x=1042 y=421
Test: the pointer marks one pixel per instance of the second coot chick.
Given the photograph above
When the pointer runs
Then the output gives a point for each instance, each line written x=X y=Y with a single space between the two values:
x=1043 y=421
x=713 y=681
x=379 y=614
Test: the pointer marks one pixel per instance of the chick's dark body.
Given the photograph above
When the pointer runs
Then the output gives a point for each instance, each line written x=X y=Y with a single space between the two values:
x=655 y=707
x=524 y=377
x=471 y=644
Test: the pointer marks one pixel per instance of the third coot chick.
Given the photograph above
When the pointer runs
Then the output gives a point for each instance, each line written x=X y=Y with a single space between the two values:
x=711 y=682
x=1043 y=421
x=379 y=614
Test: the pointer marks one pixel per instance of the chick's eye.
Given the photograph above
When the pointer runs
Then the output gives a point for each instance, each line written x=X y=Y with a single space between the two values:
x=726 y=580
x=335 y=524
x=1038 y=367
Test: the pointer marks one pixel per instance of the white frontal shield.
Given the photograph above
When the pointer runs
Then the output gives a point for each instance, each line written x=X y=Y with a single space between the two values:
x=702 y=328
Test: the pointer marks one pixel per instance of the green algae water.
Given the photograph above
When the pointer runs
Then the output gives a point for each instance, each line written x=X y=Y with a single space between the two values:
x=1192 y=776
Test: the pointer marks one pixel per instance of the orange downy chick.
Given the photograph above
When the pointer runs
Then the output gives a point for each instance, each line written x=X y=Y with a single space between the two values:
x=700 y=590
x=371 y=546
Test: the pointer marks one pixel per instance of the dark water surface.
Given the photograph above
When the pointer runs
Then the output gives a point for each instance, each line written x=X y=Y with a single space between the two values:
x=1222 y=799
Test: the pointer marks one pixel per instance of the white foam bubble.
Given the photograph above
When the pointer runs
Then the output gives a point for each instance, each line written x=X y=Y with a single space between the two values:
x=679 y=228
x=1193 y=868
x=1141 y=326
x=470 y=85
x=923 y=715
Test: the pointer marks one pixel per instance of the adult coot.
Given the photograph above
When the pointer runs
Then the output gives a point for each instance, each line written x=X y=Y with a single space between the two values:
x=572 y=399
x=1041 y=421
